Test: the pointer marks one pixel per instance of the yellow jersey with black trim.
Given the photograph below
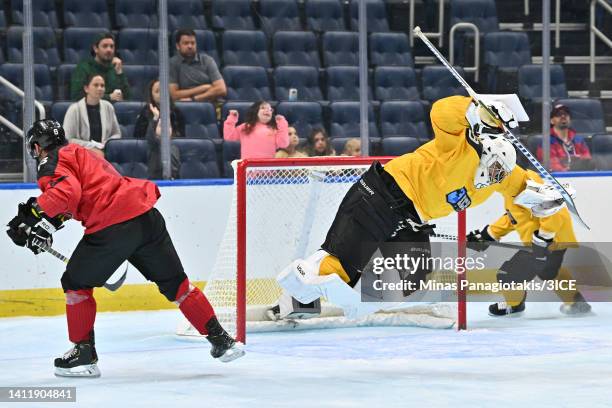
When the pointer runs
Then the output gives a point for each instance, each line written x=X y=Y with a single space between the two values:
x=521 y=220
x=439 y=176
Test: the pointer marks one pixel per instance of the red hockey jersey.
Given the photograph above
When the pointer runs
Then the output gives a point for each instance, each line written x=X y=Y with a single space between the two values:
x=76 y=181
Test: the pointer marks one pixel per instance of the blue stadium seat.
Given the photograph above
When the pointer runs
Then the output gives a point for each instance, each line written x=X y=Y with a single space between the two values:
x=90 y=13
x=246 y=83
x=377 y=15
x=43 y=13
x=340 y=48
x=64 y=74
x=587 y=115
x=279 y=15
x=231 y=152
x=186 y=14
x=324 y=15
x=138 y=46
x=128 y=156
x=200 y=119
x=241 y=107
x=345 y=120
x=58 y=110
x=530 y=82
x=232 y=15
x=402 y=119
x=78 y=42
x=504 y=53
x=338 y=143
x=601 y=151
x=397 y=146
x=304 y=79
x=303 y=116
x=295 y=48
x=205 y=42
x=45 y=45
x=127 y=112
x=136 y=14
x=139 y=77
x=390 y=49
x=395 y=83
x=481 y=13
x=241 y=47
x=43 y=90
x=2 y=18
x=533 y=142
x=343 y=84
x=198 y=158
x=438 y=83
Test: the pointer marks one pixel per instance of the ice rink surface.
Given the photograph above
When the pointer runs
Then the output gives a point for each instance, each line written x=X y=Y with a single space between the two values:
x=542 y=359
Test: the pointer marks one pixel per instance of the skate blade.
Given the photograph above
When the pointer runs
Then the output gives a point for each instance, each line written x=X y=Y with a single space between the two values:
x=86 y=371
x=508 y=315
x=232 y=354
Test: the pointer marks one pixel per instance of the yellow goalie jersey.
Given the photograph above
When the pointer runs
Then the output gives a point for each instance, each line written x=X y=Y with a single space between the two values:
x=521 y=220
x=439 y=176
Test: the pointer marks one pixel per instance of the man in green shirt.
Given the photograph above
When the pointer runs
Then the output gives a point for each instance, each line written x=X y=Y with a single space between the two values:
x=106 y=64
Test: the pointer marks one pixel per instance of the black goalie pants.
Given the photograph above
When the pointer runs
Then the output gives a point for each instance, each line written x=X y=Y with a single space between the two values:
x=375 y=212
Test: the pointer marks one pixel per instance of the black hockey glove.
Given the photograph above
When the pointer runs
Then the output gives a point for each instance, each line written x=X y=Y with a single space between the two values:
x=479 y=240
x=540 y=246
x=32 y=228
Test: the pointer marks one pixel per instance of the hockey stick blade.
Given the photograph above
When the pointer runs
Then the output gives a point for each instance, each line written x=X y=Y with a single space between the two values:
x=492 y=243
x=507 y=133
x=110 y=286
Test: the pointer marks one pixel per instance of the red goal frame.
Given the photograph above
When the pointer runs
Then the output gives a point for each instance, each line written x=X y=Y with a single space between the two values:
x=241 y=232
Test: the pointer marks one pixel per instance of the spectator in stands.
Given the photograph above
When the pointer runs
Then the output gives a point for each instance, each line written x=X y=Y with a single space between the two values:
x=104 y=62
x=568 y=151
x=194 y=76
x=318 y=144
x=91 y=121
x=261 y=134
x=352 y=147
x=148 y=124
x=292 y=149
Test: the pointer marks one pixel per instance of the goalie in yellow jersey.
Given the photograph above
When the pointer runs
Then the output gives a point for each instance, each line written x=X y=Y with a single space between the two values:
x=549 y=231
x=466 y=162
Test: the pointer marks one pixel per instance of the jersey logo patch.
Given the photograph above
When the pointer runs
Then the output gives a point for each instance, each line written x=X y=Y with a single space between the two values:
x=459 y=199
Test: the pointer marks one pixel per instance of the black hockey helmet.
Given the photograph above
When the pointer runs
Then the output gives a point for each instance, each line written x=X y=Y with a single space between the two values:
x=46 y=133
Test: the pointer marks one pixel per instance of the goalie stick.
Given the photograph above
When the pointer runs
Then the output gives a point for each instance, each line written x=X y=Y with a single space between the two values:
x=513 y=139
x=110 y=286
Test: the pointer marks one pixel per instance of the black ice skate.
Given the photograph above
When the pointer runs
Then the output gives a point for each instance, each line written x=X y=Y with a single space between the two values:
x=503 y=309
x=79 y=361
x=224 y=347
x=578 y=308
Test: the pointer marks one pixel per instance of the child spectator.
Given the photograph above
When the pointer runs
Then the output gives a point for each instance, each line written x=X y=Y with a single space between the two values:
x=352 y=147
x=292 y=149
x=318 y=144
x=260 y=135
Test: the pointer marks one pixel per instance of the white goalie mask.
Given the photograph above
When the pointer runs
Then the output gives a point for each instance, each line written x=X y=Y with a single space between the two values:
x=496 y=162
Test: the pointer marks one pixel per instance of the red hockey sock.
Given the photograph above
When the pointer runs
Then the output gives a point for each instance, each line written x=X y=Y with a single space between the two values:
x=80 y=313
x=194 y=305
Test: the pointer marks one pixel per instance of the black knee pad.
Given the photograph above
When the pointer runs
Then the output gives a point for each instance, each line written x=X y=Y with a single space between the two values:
x=170 y=287
x=521 y=267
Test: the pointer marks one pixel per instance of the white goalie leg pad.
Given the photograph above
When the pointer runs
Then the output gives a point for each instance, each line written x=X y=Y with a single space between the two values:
x=289 y=308
x=294 y=280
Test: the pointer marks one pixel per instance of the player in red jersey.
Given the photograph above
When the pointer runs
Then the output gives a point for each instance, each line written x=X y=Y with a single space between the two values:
x=121 y=224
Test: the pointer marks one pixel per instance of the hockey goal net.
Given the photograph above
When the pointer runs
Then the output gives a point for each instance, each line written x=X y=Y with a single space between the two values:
x=281 y=210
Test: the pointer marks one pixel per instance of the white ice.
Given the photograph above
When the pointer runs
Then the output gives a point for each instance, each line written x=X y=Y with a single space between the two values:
x=542 y=359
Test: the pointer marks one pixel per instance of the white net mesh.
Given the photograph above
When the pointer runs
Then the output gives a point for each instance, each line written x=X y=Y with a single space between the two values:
x=288 y=212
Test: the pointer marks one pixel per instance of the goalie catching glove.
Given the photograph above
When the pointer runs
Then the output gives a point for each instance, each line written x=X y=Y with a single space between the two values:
x=490 y=121
x=543 y=199
x=32 y=228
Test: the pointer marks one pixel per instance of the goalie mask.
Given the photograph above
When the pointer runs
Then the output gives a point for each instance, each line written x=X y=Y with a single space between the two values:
x=496 y=162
